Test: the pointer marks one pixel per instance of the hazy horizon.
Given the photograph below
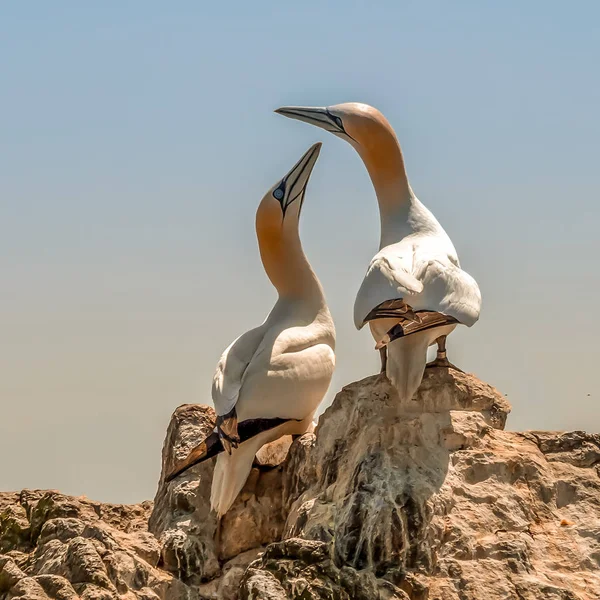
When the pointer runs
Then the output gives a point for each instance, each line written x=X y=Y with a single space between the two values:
x=139 y=138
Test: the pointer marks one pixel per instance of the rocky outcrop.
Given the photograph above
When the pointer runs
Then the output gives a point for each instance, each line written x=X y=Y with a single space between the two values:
x=434 y=498
x=187 y=529
x=62 y=548
x=425 y=499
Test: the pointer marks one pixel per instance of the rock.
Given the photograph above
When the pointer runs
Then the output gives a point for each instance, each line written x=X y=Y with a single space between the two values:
x=427 y=499
x=182 y=519
x=434 y=498
x=273 y=454
x=227 y=586
x=14 y=526
x=576 y=448
x=28 y=589
x=10 y=573
x=80 y=550
x=256 y=517
x=57 y=587
x=299 y=568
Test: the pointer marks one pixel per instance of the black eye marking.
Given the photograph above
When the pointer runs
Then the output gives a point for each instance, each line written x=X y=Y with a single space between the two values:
x=279 y=193
x=336 y=120
x=338 y=123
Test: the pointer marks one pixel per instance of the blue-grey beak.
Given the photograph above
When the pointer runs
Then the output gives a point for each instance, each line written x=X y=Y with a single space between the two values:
x=318 y=116
x=293 y=185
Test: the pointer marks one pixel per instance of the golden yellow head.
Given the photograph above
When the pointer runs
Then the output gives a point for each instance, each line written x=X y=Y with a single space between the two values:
x=284 y=200
x=279 y=211
x=277 y=220
x=365 y=128
x=360 y=124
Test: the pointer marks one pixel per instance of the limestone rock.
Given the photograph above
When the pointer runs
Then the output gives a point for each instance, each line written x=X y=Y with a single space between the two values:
x=14 y=525
x=299 y=568
x=427 y=499
x=273 y=454
x=227 y=586
x=76 y=549
x=182 y=519
x=433 y=497
x=57 y=587
x=10 y=573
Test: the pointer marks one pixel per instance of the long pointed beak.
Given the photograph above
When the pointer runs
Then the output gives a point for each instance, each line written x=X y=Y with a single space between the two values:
x=293 y=185
x=299 y=175
x=314 y=115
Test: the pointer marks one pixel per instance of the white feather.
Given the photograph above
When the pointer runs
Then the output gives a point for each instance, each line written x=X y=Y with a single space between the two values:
x=278 y=370
x=232 y=470
x=231 y=367
x=422 y=269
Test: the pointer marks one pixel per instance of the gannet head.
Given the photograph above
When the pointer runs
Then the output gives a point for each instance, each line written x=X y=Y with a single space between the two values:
x=277 y=221
x=360 y=124
x=371 y=135
x=289 y=191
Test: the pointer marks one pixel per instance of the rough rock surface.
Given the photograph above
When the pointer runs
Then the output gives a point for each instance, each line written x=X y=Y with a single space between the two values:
x=425 y=500
x=435 y=498
x=182 y=520
x=62 y=548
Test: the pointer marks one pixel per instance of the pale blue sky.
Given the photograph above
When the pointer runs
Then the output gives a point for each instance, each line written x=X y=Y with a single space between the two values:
x=137 y=139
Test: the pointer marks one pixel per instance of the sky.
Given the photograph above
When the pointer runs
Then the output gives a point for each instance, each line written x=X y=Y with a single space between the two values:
x=137 y=139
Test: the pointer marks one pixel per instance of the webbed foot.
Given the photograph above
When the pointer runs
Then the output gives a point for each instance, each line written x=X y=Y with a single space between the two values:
x=441 y=359
x=442 y=362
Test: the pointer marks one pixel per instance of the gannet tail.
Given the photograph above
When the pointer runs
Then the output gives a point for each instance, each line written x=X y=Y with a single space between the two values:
x=232 y=470
x=406 y=362
x=230 y=474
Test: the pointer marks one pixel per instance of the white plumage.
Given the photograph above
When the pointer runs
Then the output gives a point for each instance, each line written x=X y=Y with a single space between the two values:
x=417 y=262
x=282 y=368
x=423 y=269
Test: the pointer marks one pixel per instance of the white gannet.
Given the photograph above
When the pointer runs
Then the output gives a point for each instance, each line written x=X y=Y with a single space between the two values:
x=282 y=368
x=414 y=292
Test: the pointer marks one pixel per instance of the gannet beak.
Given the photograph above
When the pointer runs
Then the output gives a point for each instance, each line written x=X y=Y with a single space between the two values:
x=318 y=116
x=293 y=185
x=298 y=177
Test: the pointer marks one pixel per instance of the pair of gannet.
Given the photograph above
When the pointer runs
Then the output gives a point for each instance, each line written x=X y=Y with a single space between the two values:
x=414 y=292
x=413 y=295
x=282 y=368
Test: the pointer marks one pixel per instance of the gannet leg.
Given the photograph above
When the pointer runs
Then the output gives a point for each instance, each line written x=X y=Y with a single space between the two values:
x=441 y=359
x=383 y=356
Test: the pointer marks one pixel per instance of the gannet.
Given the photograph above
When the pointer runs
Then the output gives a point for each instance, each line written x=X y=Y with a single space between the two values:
x=414 y=292
x=282 y=368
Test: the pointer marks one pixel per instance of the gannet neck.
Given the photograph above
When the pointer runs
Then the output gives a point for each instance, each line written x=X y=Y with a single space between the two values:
x=385 y=164
x=372 y=136
x=282 y=255
x=400 y=212
x=384 y=161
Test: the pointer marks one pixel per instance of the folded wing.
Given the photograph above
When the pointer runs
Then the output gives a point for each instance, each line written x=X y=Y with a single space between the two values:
x=449 y=290
x=388 y=277
x=228 y=380
x=401 y=286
